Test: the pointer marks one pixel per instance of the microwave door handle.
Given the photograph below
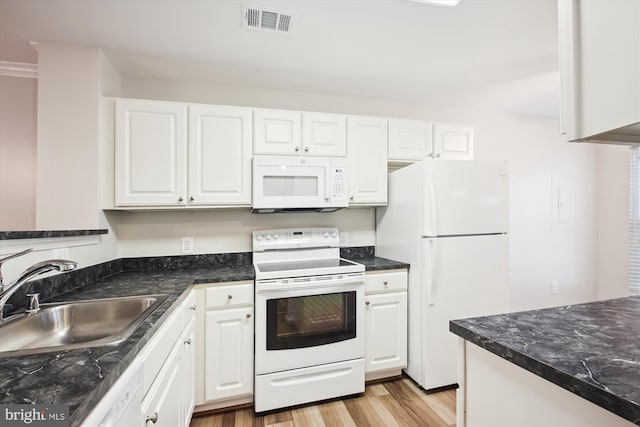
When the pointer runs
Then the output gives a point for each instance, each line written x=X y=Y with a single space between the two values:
x=327 y=184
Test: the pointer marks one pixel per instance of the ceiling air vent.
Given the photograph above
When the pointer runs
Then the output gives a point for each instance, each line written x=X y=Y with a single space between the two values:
x=271 y=20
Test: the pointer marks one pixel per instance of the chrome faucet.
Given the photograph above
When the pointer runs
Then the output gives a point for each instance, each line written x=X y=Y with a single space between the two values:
x=36 y=269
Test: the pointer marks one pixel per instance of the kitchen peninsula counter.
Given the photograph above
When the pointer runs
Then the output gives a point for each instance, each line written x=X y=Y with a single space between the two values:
x=591 y=350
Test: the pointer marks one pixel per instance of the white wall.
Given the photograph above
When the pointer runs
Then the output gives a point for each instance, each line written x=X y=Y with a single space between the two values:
x=544 y=247
x=68 y=107
x=18 y=108
x=613 y=221
x=160 y=233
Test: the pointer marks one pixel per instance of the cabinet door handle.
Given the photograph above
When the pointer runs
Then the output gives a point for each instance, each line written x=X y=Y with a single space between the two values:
x=187 y=341
x=153 y=418
x=191 y=199
x=180 y=199
x=306 y=149
x=297 y=149
x=248 y=315
x=193 y=307
x=351 y=198
x=438 y=155
x=367 y=303
x=229 y=297
x=385 y=283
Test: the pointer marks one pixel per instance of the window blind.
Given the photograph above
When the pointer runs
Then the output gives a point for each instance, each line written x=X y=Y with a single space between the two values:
x=634 y=222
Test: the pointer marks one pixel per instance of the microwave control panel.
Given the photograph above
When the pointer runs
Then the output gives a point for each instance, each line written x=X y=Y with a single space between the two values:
x=338 y=181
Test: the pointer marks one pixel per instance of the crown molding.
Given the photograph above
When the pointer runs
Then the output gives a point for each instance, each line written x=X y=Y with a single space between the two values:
x=18 y=69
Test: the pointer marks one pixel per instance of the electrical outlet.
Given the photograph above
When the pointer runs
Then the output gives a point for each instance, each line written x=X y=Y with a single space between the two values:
x=61 y=253
x=344 y=238
x=187 y=245
x=555 y=288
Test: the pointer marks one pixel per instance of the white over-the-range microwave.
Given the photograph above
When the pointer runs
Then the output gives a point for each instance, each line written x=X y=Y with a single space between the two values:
x=297 y=183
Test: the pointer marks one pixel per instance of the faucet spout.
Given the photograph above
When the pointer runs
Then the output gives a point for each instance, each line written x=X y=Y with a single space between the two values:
x=35 y=270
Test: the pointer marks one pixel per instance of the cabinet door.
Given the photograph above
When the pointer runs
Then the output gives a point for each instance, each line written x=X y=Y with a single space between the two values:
x=367 y=157
x=229 y=353
x=161 y=403
x=453 y=141
x=410 y=139
x=188 y=372
x=219 y=155
x=385 y=331
x=599 y=57
x=151 y=149
x=324 y=134
x=277 y=132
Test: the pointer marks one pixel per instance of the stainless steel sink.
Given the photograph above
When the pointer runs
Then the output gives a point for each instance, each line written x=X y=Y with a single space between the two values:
x=78 y=324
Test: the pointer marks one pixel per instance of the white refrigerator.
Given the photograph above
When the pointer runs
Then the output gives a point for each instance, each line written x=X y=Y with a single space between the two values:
x=449 y=220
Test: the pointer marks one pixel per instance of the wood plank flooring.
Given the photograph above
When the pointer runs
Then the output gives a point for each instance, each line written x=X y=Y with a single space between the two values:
x=397 y=403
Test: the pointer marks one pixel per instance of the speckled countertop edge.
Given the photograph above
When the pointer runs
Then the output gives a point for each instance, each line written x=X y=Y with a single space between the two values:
x=42 y=234
x=588 y=349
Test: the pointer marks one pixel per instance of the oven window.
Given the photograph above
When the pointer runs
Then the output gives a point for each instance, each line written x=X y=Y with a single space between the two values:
x=310 y=321
x=287 y=186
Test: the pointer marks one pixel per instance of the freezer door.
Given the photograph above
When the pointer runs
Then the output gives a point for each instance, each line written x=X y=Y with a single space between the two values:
x=464 y=197
x=462 y=277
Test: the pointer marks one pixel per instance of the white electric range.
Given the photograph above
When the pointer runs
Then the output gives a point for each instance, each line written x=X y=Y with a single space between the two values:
x=309 y=331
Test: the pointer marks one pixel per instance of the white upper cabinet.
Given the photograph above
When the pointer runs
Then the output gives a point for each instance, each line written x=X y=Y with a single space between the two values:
x=414 y=140
x=292 y=133
x=599 y=47
x=324 y=134
x=277 y=132
x=151 y=150
x=152 y=167
x=219 y=155
x=452 y=141
x=410 y=139
x=367 y=158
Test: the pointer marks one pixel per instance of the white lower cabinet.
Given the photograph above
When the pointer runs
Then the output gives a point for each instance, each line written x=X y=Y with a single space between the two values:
x=224 y=355
x=385 y=324
x=162 y=407
x=229 y=350
x=168 y=370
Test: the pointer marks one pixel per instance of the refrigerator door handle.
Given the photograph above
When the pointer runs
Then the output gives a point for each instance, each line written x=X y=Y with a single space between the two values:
x=431 y=274
x=432 y=220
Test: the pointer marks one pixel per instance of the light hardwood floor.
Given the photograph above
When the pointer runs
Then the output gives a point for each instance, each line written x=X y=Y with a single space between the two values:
x=395 y=403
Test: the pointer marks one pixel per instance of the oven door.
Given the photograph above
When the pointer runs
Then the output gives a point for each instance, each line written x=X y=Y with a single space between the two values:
x=309 y=326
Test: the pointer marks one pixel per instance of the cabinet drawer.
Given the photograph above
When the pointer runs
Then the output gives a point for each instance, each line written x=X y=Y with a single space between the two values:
x=386 y=281
x=229 y=296
x=189 y=309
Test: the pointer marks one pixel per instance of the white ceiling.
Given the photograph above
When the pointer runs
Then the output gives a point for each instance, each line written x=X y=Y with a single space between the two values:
x=495 y=54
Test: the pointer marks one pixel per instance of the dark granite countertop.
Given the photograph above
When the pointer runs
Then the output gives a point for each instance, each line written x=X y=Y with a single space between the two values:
x=39 y=234
x=365 y=256
x=81 y=377
x=589 y=349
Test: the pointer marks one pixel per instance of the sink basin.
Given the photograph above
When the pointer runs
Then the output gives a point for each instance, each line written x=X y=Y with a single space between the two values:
x=78 y=324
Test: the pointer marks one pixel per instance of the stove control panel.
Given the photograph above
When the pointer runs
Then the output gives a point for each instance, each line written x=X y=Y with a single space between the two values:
x=296 y=238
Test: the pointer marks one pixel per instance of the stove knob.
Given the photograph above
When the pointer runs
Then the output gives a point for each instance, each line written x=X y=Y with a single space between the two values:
x=275 y=236
x=259 y=237
x=334 y=234
x=325 y=234
x=268 y=236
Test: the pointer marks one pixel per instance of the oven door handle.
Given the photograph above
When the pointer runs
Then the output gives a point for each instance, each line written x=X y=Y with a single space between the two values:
x=277 y=285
